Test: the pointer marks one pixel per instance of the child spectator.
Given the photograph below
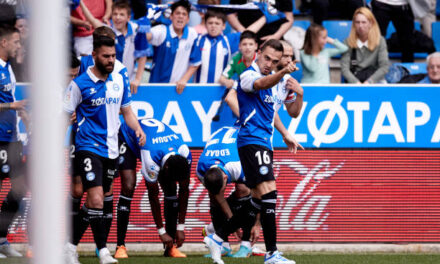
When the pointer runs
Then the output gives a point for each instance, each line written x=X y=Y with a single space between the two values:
x=315 y=58
x=212 y=51
x=128 y=51
x=248 y=53
x=172 y=45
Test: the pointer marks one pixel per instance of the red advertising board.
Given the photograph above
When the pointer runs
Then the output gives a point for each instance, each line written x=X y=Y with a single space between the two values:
x=324 y=196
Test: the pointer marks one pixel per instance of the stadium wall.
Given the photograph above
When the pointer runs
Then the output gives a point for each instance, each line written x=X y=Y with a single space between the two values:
x=370 y=172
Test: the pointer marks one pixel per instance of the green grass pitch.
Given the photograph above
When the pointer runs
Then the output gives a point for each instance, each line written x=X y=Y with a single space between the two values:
x=302 y=258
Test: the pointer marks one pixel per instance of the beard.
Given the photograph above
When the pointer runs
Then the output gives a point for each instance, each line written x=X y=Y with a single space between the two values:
x=104 y=69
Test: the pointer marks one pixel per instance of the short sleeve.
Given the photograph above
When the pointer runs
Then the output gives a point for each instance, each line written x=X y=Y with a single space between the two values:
x=150 y=170
x=72 y=98
x=195 y=58
x=234 y=41
x=247 y=80
x=158 y=34
x=126 y=96
x=234 y=168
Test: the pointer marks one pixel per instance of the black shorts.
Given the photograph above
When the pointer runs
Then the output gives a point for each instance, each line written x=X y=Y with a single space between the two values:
x=257 y=164
x=127 y=159
x=95 y=170
x=11 y=159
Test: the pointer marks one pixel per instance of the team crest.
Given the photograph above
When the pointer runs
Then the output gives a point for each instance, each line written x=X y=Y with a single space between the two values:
x=115 y=87
x=90 y=176
x=5 y=168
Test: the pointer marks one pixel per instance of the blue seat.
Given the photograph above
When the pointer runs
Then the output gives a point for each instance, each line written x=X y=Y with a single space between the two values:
x=391 y=29
x=304 y=24
x=298 y=74
x=437 y=10
x=414 y=67
x=436 y=33
x=337 y=29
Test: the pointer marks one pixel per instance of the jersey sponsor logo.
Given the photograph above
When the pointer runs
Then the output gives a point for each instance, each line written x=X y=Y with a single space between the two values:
x=163 y=139
x=217 y=153
x=264 y=170
x=272 y=99
x=90 y=176
x=103 y=100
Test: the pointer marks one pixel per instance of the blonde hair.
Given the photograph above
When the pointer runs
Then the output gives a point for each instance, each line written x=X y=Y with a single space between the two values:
x=373 y=34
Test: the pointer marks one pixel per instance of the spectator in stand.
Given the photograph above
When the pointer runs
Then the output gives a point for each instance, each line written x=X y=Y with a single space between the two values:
x=367 y=53
x=82 y=29
x=172 y=45
x=315 y=58
x=343 y=9
x=212 y=51
x=424 y=11
x=20 y=64
x=399 y=12
x=275 y=30
x=131 y=43
x=433 y=62
x=201 y=28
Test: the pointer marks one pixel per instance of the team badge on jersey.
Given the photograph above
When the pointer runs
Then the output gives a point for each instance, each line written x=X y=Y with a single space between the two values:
x=115 y=87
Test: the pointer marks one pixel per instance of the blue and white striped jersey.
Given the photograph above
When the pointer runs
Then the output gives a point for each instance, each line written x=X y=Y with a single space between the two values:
x=127 y=51
x=258 y=108
x=8 y=119
x=87 y=61
x=161 y=143
x=171 y=54
x=221 y=151
x=97 y=104
x=213 y=55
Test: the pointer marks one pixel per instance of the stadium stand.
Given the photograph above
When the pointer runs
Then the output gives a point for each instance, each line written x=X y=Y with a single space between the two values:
x=436 y=32
x=338 y=29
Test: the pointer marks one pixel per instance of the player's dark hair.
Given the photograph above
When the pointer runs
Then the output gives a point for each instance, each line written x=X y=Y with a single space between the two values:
x=6 y=30
x=274 y=44
x=103 y=31
x=214 y=13
x=103 y=41
x=247 y=34
x=183 y=3
x=213 y=180
x=176 y=168
x=122 y=4
x=74 y=62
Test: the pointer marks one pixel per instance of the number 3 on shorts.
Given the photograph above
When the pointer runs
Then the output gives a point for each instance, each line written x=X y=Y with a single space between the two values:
x=88 y=164
x=262 y=159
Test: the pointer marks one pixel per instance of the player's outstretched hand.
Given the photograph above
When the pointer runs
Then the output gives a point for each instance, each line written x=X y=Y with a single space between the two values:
x=19 y=105
x=292 y=144
x=180 y=238
x=294 y=86
x=141 y=135
x=166 y=240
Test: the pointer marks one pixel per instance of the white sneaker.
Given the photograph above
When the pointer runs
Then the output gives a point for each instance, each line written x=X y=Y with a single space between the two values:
x=277 y=258
x=8 y=251
x=215 y=248
x=105 y=257
x=70 y=254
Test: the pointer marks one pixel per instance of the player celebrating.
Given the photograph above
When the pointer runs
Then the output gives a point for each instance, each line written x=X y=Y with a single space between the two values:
x=219 y=165
x=97 y=96
x=260 y=94
x=165 y=161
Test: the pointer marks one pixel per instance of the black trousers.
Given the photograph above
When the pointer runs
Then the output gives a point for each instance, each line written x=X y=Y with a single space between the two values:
x=403 y=20
x=343 y=9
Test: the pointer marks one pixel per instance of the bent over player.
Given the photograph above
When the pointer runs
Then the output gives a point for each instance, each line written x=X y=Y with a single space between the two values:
x=166 y=160
x=218 y=166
